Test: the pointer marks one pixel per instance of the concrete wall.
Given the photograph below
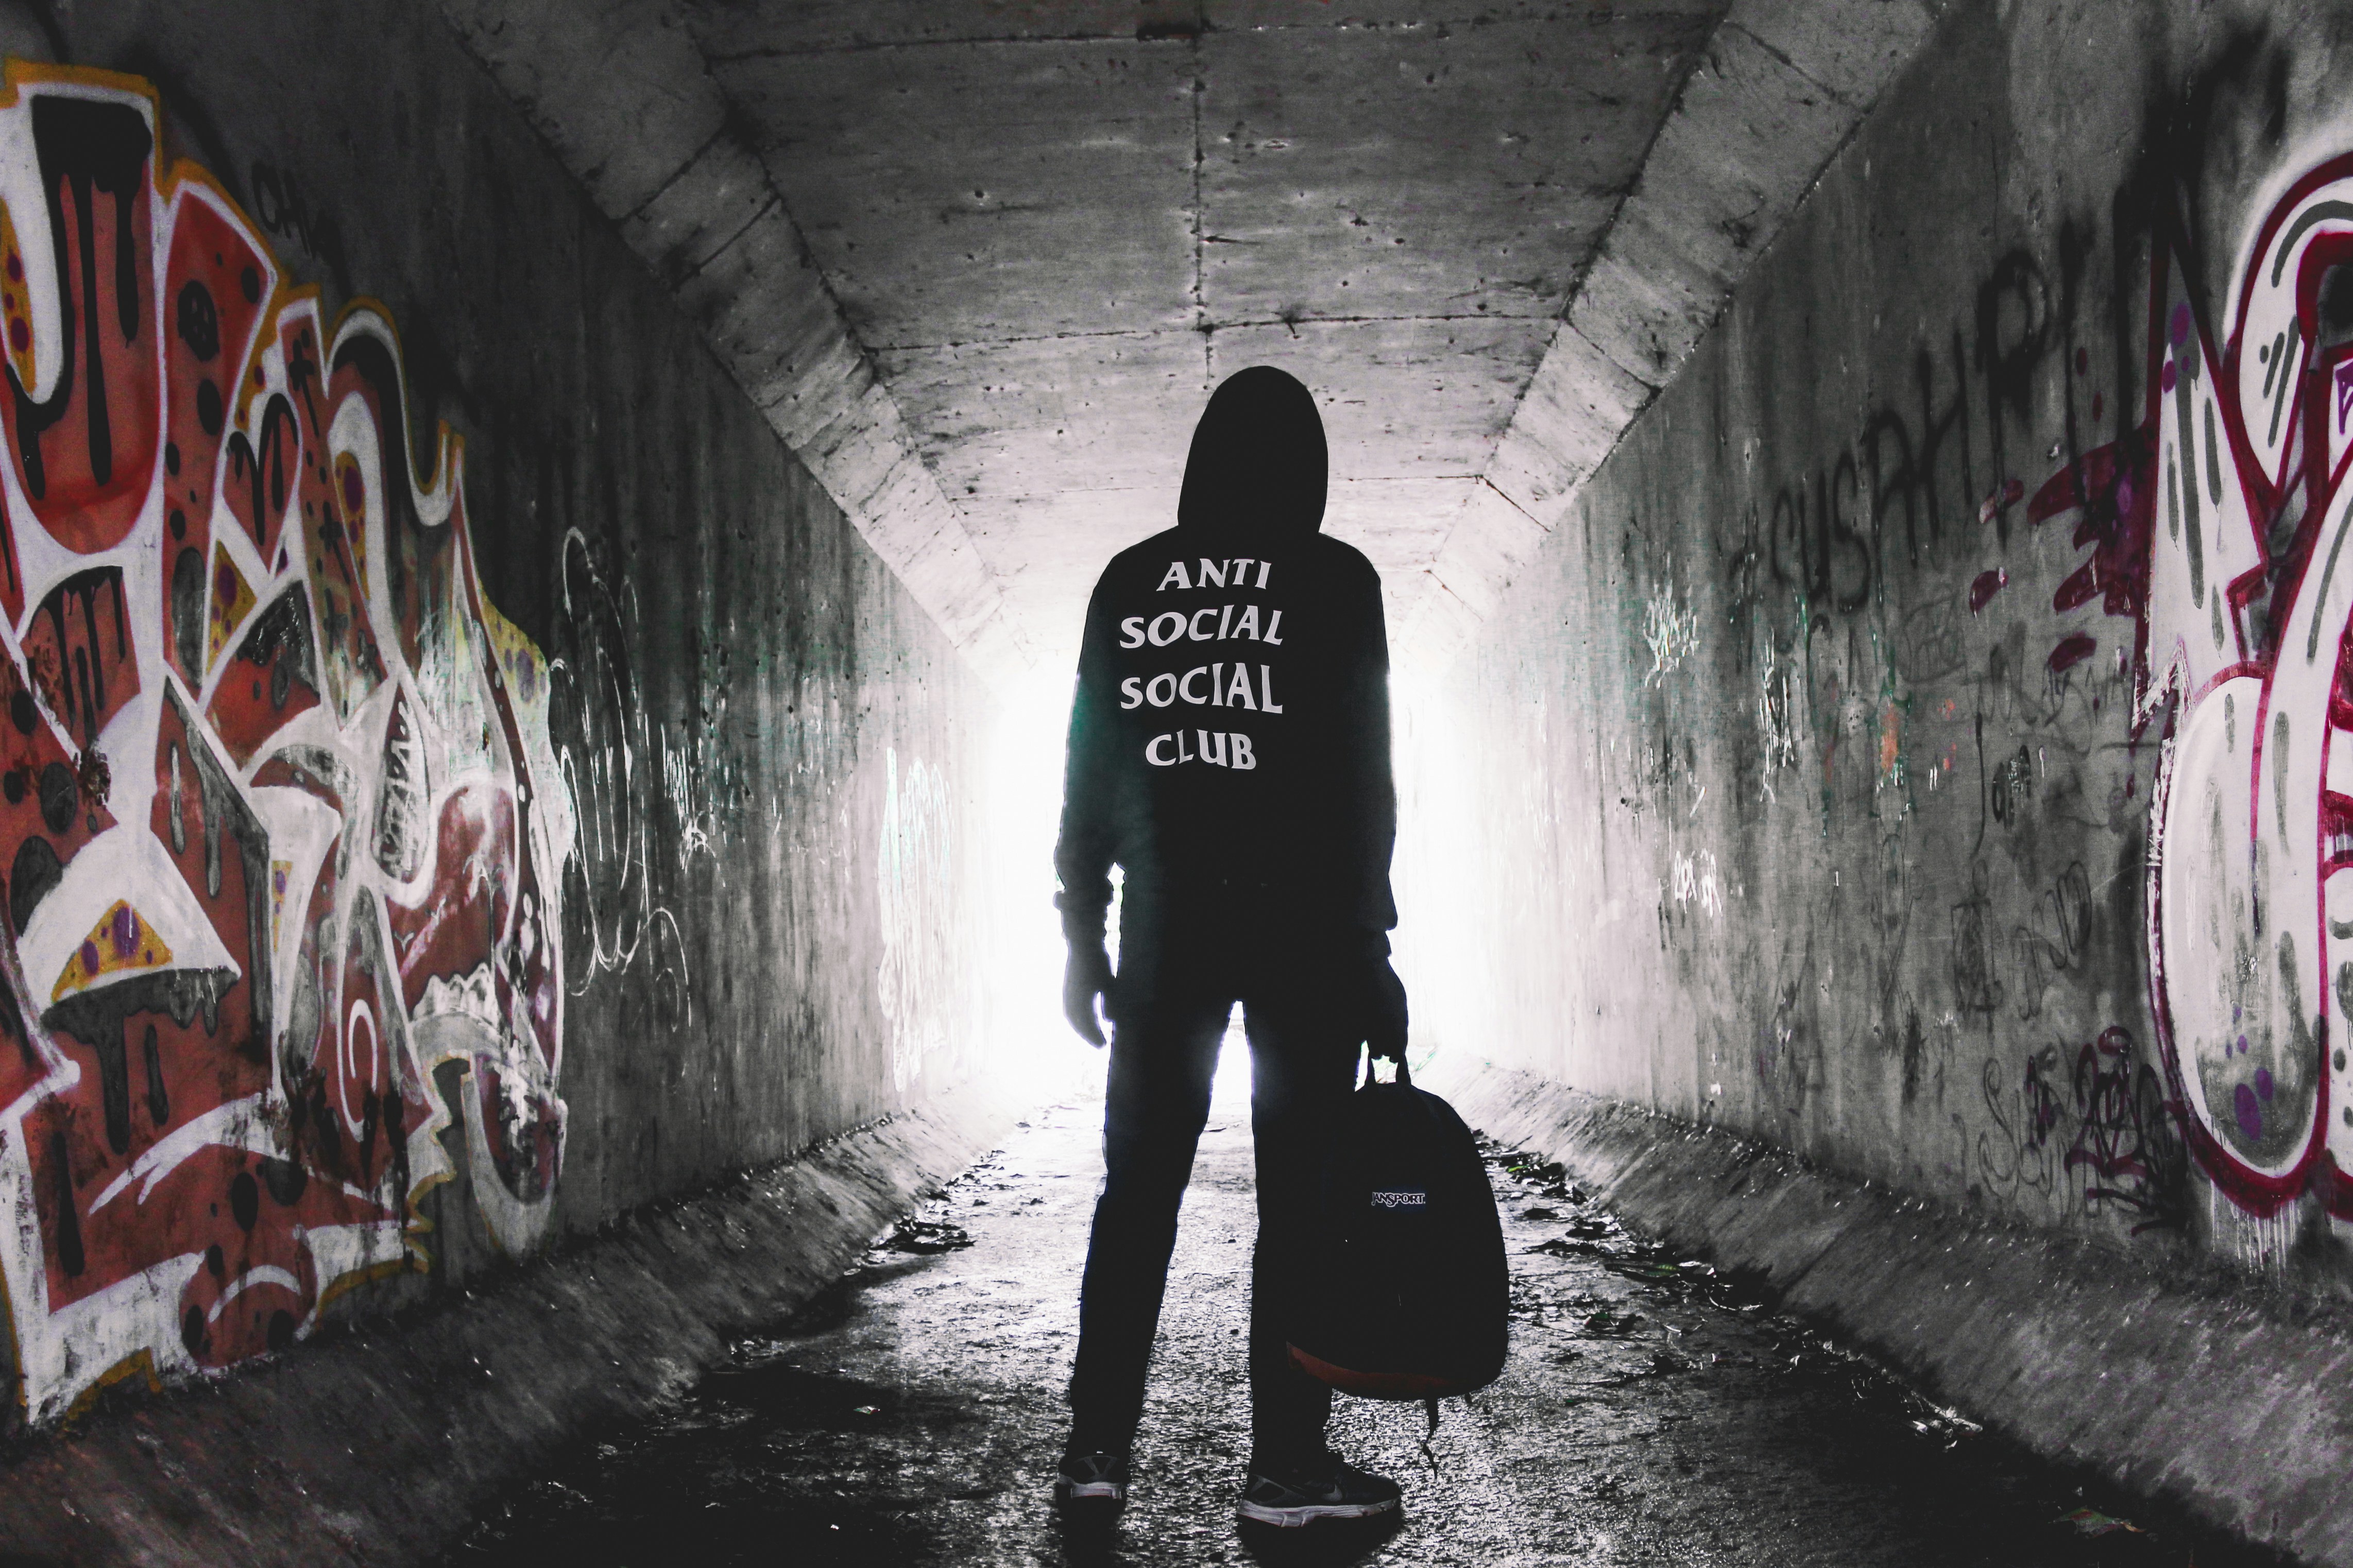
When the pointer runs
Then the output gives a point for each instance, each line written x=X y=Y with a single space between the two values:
x=1920 y=746
x=410 y=868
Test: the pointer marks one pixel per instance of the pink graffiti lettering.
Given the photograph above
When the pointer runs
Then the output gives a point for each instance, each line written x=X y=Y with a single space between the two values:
x=2241 y=646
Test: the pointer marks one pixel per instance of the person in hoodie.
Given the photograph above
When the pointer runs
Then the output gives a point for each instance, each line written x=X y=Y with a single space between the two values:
x=1229 y=752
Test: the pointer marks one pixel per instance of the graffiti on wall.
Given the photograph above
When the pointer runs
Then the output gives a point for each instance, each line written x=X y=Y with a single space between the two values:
x=2099 y=1131
x=1670 y=630
x=2221 y=526
x=615 y=916
x=276 y=844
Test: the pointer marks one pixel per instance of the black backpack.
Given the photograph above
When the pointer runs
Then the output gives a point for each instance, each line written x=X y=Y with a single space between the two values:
x=1407 y=1295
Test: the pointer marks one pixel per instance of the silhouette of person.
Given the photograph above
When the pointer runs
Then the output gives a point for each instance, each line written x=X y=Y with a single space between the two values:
x=1229 y=752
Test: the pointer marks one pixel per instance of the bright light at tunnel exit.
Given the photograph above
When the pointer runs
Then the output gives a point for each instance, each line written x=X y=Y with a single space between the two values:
x=1434 y=872
x=1023 y=803
x=1033 y=1044
x=1035 y=1047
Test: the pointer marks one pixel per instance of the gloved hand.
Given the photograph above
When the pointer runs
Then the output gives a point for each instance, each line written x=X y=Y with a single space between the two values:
x=1384 y=1023
x=1086 y=978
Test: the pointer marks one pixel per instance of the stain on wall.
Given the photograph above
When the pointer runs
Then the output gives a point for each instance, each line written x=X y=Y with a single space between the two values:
x=1973 y=610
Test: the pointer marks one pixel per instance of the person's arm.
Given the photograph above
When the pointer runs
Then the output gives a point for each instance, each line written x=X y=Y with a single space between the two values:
x=1082 y=855
x=1373 y=905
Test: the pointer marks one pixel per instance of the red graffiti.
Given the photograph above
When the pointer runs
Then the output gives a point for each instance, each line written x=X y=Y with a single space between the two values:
x=2218 y=525
x=2108 y=496
x=2072 y=650
x=278 y=822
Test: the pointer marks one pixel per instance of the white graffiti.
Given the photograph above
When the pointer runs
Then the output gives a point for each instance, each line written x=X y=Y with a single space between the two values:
x=1773 y=723
x=612 y=773
x=1693 y=878
x=1670 y=631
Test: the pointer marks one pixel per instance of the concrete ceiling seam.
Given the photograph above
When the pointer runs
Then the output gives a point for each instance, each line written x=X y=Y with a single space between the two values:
x=979 y=260
x=1042 y=235
x=1782 y=88
x=622 y=93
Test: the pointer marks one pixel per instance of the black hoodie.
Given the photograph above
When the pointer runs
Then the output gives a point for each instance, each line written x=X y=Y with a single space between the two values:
x=1230 y=737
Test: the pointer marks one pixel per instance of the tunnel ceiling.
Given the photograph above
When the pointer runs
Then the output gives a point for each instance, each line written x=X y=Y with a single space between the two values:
x=980 y=262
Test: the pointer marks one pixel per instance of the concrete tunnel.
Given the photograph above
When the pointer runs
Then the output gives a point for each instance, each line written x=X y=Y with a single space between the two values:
x=544 y=550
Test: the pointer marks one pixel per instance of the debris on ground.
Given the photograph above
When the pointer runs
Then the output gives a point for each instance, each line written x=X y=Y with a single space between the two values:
x=1658 y=1409
x=925 y=1235
x=2092 y=1521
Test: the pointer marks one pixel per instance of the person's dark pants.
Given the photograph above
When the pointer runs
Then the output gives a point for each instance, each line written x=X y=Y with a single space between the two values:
x=1301 y=1001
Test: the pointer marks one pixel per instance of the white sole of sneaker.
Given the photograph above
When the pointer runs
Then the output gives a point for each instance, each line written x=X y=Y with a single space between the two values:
x=1091 y=1492
x=1308 y=1514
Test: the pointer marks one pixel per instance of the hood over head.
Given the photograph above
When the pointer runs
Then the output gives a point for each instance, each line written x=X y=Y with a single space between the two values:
x=1257 y=464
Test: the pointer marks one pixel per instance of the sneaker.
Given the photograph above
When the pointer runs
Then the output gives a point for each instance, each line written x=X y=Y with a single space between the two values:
x=1096 y=1483
x=1323 y=1488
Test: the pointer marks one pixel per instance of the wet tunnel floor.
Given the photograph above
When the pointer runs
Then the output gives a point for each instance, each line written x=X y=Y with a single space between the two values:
x=1651 y=1414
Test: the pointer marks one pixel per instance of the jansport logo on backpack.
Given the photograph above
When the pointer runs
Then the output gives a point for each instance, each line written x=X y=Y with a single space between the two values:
x=1406 y=1294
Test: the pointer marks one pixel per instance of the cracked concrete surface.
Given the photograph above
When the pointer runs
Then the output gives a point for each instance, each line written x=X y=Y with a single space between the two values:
x=1652 y=1414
